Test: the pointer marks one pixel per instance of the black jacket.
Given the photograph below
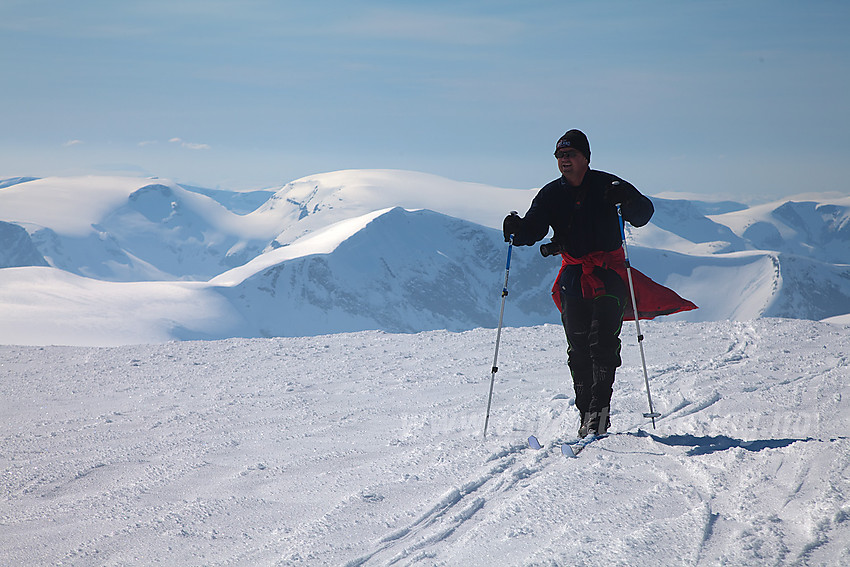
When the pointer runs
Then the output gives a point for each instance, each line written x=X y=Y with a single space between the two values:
x=583 y=220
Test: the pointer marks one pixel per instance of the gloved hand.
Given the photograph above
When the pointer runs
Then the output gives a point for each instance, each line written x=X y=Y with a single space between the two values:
x=619 y=192
x=511 y=225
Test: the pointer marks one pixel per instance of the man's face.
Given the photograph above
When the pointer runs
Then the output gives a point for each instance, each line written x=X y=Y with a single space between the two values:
x=571 y=163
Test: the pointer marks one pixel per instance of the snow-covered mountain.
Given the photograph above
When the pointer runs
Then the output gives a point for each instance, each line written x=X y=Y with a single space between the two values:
x=116 y=260
x=128 y=229
x=403 y=271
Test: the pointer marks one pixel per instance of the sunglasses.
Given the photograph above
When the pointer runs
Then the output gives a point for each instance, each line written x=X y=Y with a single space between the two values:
x=569 y=154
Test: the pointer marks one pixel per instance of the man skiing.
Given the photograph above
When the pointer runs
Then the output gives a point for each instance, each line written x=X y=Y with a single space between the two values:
x=590 y=291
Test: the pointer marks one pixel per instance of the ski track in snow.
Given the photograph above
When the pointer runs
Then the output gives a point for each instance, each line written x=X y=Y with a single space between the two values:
x=365 y=449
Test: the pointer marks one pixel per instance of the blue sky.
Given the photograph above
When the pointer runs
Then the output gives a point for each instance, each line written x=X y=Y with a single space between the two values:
x=747 y=99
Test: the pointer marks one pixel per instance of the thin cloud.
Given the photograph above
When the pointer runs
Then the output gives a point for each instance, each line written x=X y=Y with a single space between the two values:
x=190 y=145
x=196 y=146
x=70 y=143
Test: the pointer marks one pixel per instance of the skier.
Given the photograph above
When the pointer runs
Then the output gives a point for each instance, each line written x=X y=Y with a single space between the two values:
x=590 y=291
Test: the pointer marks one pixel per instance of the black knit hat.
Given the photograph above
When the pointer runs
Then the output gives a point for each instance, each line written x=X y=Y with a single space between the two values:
x=574 y=139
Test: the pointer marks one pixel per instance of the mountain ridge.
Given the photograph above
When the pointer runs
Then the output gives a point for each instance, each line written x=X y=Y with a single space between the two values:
x=380 y=249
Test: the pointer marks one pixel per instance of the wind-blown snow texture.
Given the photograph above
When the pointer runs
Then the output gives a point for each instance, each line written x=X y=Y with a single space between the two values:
x=375 y=249
x=366 y=449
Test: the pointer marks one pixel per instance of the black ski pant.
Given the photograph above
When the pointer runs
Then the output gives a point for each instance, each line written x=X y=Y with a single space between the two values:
x=593 y=337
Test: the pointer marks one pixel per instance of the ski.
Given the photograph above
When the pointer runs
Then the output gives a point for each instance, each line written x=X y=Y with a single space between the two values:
x=573 y=450
x=537 y=446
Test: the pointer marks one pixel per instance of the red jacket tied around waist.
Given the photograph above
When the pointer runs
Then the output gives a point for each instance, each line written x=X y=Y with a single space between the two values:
x=653 y=299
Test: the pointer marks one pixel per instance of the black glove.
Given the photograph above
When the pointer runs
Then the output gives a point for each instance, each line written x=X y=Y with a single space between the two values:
x=619 y=192
x=511 y=225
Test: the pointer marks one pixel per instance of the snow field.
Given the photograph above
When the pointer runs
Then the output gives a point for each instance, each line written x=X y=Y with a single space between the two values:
x=366 y=449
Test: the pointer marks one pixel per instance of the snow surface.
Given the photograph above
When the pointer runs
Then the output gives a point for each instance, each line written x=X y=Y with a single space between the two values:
x=366 y=449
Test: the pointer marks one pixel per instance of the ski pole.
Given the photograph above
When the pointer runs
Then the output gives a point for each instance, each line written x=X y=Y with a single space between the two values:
x=652 y=413
x=498 y=334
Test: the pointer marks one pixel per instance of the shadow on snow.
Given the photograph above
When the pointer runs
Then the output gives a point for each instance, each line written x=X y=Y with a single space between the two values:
x=712 y=444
